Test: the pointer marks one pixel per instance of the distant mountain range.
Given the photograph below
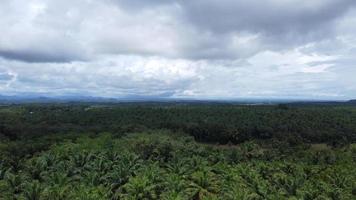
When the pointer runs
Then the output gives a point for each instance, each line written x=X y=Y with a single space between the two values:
x=45 y=99
x=19 y=99
x=346 y=103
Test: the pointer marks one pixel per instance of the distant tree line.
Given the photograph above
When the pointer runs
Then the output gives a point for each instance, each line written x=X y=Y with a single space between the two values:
x=207 y=123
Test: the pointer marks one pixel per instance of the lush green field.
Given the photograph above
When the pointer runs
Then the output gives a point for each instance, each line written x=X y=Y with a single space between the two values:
x=177 y=152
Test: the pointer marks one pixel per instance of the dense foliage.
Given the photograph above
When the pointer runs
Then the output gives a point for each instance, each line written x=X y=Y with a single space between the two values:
x=177 y=152
x=207 y=123
x=164 y=165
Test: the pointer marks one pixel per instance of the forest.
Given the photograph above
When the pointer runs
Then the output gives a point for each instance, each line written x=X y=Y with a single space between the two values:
x=172 y=151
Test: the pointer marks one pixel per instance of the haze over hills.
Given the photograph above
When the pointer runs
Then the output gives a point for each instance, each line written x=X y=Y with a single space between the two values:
x=30 y=98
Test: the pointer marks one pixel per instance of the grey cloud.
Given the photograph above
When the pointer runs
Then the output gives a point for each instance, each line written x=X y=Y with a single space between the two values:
x=209 y=25
x=142 y=4
x=196 y=29
x=28 y=56
x=269 y=16
x=200 y=48
x=279 y=23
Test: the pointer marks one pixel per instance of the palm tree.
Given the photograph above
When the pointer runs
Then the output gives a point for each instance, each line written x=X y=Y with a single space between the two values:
x=101 y=165
x=48 y=159
x=81 y=159
x=198 y=163
x=203 y=184
x=179 y=167
x=36 y=167
x=171 y=195
x=139 y=187
x=119 y=175
x=15 y=182
x=112 y=156
x=85 y=192
x=59 y=178
x=32 y=191
x=258 y=185
x=3 y=172
x=239 y=192
x=122 y=173
x=338 y=181
x=289 y=184
x=92 y=178
x=174 y=183
x=60 y=186
x=313 y=194
x=57 y=192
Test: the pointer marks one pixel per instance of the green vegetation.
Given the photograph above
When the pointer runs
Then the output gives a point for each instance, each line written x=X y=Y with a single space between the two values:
x=177 y=152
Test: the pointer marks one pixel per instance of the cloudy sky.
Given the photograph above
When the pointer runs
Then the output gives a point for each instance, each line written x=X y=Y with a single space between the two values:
x=205 y=49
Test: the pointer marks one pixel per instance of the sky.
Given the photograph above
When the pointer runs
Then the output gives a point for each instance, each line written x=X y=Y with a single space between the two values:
x=201 y=49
